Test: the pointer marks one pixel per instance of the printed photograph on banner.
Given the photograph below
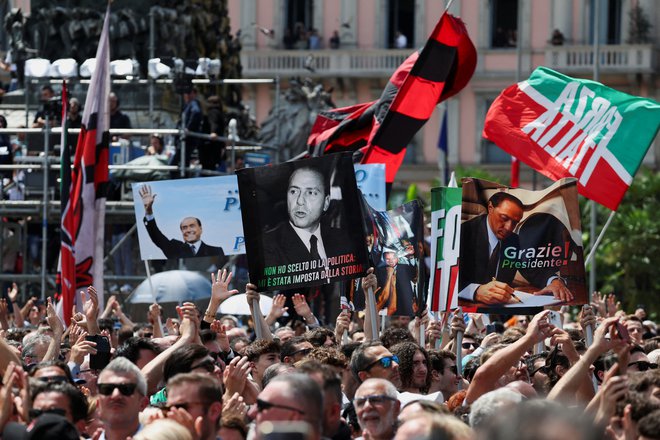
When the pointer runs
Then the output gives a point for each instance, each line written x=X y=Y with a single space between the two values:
x=189 y=218
x=395 y=241
x=302 y=225
x=445 y=247
x=370 y=180
x=520 y=248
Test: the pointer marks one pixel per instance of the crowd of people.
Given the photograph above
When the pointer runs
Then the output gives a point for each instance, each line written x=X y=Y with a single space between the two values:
x=198 y=375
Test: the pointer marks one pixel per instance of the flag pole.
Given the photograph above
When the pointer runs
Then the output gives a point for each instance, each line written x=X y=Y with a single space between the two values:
x=153 y=293
x=592 y=251
x=594 y=214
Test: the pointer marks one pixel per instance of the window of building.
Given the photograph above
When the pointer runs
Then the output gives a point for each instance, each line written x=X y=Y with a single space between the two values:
x=299 y=22
x=504 y=25
x=611 y=17
x=401 y=23
x=490 y=152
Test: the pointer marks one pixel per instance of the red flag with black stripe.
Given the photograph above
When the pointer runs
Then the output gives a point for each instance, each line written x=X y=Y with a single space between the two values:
x=442 y=68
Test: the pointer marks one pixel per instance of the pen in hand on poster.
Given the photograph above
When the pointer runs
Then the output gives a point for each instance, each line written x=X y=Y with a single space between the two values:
x=513 y=295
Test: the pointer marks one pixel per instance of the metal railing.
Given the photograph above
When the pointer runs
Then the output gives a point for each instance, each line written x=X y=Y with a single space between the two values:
x=345 y=63
x=638 y=58
x=46 y=208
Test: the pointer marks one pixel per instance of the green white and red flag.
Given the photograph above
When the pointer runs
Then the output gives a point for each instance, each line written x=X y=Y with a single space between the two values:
x=567 y=127
x=446 y=204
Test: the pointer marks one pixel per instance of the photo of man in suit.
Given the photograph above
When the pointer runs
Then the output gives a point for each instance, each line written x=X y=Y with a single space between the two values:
x=397 y=291
x=304 y=237
x=483 y=241
x=191 y=232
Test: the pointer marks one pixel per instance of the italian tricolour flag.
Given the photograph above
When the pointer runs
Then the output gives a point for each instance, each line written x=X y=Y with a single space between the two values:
x=567 y=127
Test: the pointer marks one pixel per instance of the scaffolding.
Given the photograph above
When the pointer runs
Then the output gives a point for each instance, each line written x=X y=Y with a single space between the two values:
x=48 y=208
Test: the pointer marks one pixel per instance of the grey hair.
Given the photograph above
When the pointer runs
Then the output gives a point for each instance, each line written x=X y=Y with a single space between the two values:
x=390 y=389
x=123 y=365
x=490 y=404
x=31 y=343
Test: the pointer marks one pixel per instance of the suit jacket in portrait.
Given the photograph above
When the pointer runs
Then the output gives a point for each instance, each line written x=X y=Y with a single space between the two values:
x=475 y=254
x=283 y=246
x=403 y=290
x=178 y=249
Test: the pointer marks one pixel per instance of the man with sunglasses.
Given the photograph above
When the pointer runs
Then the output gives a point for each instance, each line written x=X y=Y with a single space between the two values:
x=295 y=349
x=639 y=361
x=372 y=360
x=198 y=396
x=59 y=397
x=377 y=408
x=122 y=395
x=290 y=397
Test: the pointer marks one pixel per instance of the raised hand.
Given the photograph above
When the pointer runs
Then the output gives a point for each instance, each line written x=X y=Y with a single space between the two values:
x=220 y=285
x=91 y=309
x=81 y=348
x=153 y=314
x=148 y=199
x=12 y=293
x=221 y=335
x=53 y=320
x=235 y=375
x=301 y=306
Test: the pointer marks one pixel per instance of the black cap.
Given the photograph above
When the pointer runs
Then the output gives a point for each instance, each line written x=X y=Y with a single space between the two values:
x=46 y=427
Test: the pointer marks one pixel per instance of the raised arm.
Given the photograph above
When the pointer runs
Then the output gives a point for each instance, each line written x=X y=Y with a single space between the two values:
x=574 y=377
x=57 y=327
x=19 y=316
x=487 y=375
x=369 y=282
x=91 y=310
x=303 y=309
x=153 y=371
x=252 y=295
x=148 y=199
x=219 y=292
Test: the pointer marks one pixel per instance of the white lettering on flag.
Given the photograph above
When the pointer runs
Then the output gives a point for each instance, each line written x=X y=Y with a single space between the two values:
x=569 y=134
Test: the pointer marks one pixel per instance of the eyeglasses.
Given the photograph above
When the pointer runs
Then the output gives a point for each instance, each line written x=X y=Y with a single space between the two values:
x=186 y=406
x=542 y=369
x=468 y=345
x=56 y=379
x=34 y=413
x=385 y=362
x=208 y=365
x=303 y=351
x=375 y=399
x=643 y=365
x=262 y=405
x=127 y=389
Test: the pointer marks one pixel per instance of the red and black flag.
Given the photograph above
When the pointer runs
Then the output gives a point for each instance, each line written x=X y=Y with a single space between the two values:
x=83 y=200
x=381 y=130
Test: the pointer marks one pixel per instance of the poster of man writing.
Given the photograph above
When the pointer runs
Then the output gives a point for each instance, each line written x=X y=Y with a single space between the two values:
x=191 y=218
x=520 y=248
x=301 y=224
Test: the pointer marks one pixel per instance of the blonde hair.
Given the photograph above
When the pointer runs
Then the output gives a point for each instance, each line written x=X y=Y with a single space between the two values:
x=163 y=429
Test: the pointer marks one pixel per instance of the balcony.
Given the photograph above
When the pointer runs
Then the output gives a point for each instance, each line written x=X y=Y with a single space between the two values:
x=322 y=63
x=613 y=59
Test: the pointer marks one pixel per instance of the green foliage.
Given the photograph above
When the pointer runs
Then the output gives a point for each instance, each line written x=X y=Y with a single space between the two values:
x=639 y=27
x=628 y=258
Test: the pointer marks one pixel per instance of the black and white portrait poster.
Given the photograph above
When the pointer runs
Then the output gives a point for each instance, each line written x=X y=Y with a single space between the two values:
x=302 y=223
